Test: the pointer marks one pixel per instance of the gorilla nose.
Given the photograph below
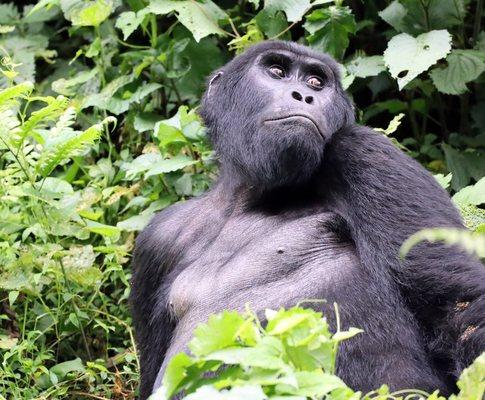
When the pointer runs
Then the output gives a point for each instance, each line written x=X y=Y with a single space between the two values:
x=297 y=96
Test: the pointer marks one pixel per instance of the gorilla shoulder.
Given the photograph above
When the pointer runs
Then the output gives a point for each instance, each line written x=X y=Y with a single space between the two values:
x=167 y=232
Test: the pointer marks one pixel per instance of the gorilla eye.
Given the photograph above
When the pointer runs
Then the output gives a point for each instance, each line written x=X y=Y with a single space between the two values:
x=315 y=82
x=277 y=71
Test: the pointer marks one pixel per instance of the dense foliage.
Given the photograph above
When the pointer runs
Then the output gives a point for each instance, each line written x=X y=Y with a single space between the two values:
x=98 y=130
x=292 y=358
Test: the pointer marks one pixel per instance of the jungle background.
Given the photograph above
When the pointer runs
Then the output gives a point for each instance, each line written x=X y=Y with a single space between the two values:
x=99 y=130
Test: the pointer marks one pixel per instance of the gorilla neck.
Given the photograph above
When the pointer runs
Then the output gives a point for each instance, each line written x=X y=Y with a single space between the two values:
x=241 y=193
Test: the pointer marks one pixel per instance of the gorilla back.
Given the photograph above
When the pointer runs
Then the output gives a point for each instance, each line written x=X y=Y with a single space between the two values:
x=309 y=205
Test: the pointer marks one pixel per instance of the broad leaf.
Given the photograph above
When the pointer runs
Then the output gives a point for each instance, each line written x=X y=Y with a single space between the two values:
x=86 y=12
x=464 y=165
x=129 y=21
x=363 y=67
x=407 y=57
x=170 y=164
x=463 y=66
x=330 y=28
x=175 y=372
x=218 y=333
x=394 y=14
x=417 y=16
x=294 y=9
x=63 y=368
x=474 y=194
x=199 y=17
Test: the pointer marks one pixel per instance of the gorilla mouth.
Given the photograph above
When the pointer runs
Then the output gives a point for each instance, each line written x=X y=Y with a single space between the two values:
x=301 y=117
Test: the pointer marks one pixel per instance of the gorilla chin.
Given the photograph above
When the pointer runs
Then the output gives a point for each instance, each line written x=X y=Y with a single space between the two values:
x=286 y=152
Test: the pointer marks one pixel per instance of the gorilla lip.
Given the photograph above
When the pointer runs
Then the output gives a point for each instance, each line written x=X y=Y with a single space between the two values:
x=296 y=116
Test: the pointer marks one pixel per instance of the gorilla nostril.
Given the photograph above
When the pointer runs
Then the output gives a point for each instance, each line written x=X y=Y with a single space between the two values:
x=309 y=99
x=297 y=96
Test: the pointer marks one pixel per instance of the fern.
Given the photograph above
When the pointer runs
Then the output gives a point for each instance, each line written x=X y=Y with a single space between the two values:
x=69 y=145
x=55 y=107
x=65 y=122
x=14 y=92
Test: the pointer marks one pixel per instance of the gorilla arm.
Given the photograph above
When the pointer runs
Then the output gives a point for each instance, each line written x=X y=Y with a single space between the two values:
x=386 y=196
x=155 y=257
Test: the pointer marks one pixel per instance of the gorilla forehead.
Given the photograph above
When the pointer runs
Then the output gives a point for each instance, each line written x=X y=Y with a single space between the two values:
x=241 y=62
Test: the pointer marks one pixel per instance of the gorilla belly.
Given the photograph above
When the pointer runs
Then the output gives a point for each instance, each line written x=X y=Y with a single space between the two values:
x=266 y=262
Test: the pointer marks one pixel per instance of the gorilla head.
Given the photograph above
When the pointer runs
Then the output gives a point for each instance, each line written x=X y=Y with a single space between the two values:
x=271 y=110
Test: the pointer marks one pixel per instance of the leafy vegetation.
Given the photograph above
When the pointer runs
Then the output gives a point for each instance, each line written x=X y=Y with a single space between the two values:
x=99 y=130
x=292 y=358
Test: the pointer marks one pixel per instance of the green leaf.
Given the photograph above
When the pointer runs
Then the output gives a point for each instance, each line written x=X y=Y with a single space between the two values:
x=79 y=265
x=118 y=105
x=394 y=14
x=68 y=146
x=109 y=231
x=472 y=381
x=102 y=99
x=12 y=296
x=294 y=9
x=63 y=368
x=7 y=343
x=169 y=165
x=473 y=217
x=393 y=125
x=463 y=66
x=344 y=335
x=140 y=164
x=15 y=92
x=68 y=87
x=464 y=165
x=145 y=121
x=134 y=223
x=23 y=52
x=199 y=17
x=474 y=194
x=175 y=372
x=8 y=13
x=86 y=12
x=416 y=16
x=245 y=392
x=330 y=28
x=312 y=384
x=407 y=57
x=129 y=21
x=218 y=333
x=443 y=180
x=272 y=25
x=267 y=354
x=362 y=67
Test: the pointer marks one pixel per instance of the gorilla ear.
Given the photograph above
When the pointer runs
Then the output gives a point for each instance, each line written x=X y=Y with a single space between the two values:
x=214 y=78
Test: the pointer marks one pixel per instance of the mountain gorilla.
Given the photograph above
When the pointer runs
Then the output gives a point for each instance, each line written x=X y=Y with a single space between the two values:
x=310 y=205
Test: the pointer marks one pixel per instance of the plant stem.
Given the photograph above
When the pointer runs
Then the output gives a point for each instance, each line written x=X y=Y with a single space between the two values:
x=477 y=22
x=154 y=31
x=75 y=308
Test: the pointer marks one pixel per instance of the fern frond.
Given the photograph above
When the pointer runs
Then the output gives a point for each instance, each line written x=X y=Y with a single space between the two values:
x=66 y=120
x=15 y=92
x=72 y=144
x=55 y=107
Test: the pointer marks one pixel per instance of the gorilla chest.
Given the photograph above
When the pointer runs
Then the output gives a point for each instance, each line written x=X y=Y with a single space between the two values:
x=264 y=261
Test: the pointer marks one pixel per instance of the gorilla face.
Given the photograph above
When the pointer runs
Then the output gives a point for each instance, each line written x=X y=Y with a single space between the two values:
x=270 y=112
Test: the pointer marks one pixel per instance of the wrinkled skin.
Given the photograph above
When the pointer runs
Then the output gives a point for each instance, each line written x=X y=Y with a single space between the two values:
x=310 y=205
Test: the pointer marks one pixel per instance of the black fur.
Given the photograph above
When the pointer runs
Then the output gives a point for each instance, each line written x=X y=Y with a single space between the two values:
x=300 y=213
